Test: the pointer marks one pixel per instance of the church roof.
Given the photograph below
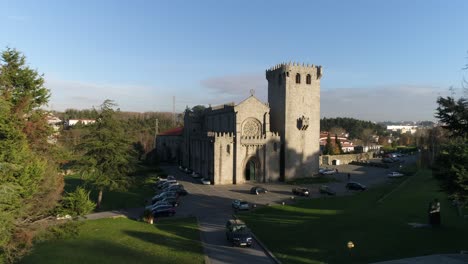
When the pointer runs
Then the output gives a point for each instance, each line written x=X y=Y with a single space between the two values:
x=253 y=100
x=172 y=132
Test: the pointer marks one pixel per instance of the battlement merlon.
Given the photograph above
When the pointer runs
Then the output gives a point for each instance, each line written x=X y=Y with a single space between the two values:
x=315 y=70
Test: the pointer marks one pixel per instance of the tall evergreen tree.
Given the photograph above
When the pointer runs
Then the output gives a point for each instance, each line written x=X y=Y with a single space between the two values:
x=328 y=149
x=29 y=183
x=338 y=145
x=108 y=158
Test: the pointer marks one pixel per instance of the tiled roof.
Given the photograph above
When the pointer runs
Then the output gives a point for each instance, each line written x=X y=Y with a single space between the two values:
x=172 y=132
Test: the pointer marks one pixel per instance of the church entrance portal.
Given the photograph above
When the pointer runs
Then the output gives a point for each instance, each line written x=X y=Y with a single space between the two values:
x=250 y=173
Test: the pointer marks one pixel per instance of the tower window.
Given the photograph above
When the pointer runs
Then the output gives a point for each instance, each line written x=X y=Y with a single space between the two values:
x=298 y=78
x=308 y=79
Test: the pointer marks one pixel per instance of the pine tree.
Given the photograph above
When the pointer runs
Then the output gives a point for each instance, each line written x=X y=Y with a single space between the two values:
x=108 y=157
x=338 y=145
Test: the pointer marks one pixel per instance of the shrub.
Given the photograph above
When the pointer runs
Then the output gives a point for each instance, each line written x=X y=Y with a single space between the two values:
x=77 y=203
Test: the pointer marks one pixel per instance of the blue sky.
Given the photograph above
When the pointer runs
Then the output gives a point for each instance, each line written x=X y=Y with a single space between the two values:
x=383 y=60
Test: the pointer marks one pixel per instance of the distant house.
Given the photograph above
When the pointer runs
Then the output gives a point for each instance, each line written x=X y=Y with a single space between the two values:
x=346 y=144
x=403 y=129
x=56 y=123
x=72 y=122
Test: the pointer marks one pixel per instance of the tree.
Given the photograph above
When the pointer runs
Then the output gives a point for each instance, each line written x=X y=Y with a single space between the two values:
x=451 y=168
x=454 y=115
x=21 y=85
x=29 y=183
x=337 y=131
x=339 y=147
x=328 y=146
x=108 y=156
x=367 y=136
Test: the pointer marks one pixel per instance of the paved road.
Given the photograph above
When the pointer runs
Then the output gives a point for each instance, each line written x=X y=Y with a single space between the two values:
x=212 y=206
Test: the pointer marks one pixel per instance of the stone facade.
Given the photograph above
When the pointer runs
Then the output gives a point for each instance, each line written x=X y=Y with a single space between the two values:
x=256 y=141
x=326 y=160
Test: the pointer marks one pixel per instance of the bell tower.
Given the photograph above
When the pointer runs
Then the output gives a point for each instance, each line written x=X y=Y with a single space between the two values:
x=294 y=99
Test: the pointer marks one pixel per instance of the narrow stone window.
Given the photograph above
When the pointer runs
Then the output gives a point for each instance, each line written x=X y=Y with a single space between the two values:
x=228 y=149
x=308 y=79
x=275 y=147
x=298 y=78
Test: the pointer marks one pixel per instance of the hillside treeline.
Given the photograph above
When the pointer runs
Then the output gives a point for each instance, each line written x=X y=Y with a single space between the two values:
x=354 y=127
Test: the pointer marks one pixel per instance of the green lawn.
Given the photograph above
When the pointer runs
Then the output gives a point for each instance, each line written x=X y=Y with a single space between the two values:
x=125 y=241
x=135 y=196
x=317 y=230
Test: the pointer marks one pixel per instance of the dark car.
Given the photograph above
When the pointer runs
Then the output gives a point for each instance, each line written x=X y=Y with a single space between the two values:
x=355 y=186
x=163 y=210
x=325 y=189
x=164 y=195
x=174 y=202
x=181 y=192
x=188 y=171
x=173 y=188
x=238 y=233
x=301 y=191
x=257 y=190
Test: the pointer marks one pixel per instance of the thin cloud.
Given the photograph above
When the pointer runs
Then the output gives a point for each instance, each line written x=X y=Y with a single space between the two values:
x=85 y=95
x=400 y=102
x=236 y=87
x=393 y=103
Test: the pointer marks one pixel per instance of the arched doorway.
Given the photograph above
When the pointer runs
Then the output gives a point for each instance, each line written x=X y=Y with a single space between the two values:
x=251 y=170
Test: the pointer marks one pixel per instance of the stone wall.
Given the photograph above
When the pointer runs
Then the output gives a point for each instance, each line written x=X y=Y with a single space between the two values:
x=326 y=160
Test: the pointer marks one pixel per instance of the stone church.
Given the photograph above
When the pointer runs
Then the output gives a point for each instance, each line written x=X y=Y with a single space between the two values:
x=255 y=141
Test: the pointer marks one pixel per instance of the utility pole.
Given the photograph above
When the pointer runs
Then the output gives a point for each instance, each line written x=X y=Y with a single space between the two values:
x=173 y=112
x=156 y=130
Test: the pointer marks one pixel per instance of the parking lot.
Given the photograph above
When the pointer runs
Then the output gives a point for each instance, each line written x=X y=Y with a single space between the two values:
x=211 y=204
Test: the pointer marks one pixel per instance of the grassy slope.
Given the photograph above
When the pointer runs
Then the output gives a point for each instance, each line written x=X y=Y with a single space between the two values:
x=125 y=241
x=315 y=231
x=133 y=197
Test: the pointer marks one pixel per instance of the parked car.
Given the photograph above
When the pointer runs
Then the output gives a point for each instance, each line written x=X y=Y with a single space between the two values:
x=182 y=168
x=388 y=160
x=238 y=233
x=173 y=201
x=205 y=181
x=355 y=186
x=167 y=184
x=153 y=206
x=301 y=191
x=328 y=172
x=173 y=188
x=164 y=210
x=170 y=177
x=395 y=174
x=161 y=184
x=188 y=171
x=240 y=205
x=181 y=192
x=257 y=190
x=163 y=196
x=196 y=175
x=325 y=189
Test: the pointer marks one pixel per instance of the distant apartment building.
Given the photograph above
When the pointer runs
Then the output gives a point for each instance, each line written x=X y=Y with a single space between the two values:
x=403 y=129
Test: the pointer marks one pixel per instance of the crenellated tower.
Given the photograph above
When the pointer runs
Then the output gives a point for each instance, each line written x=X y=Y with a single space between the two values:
x=294 y=99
